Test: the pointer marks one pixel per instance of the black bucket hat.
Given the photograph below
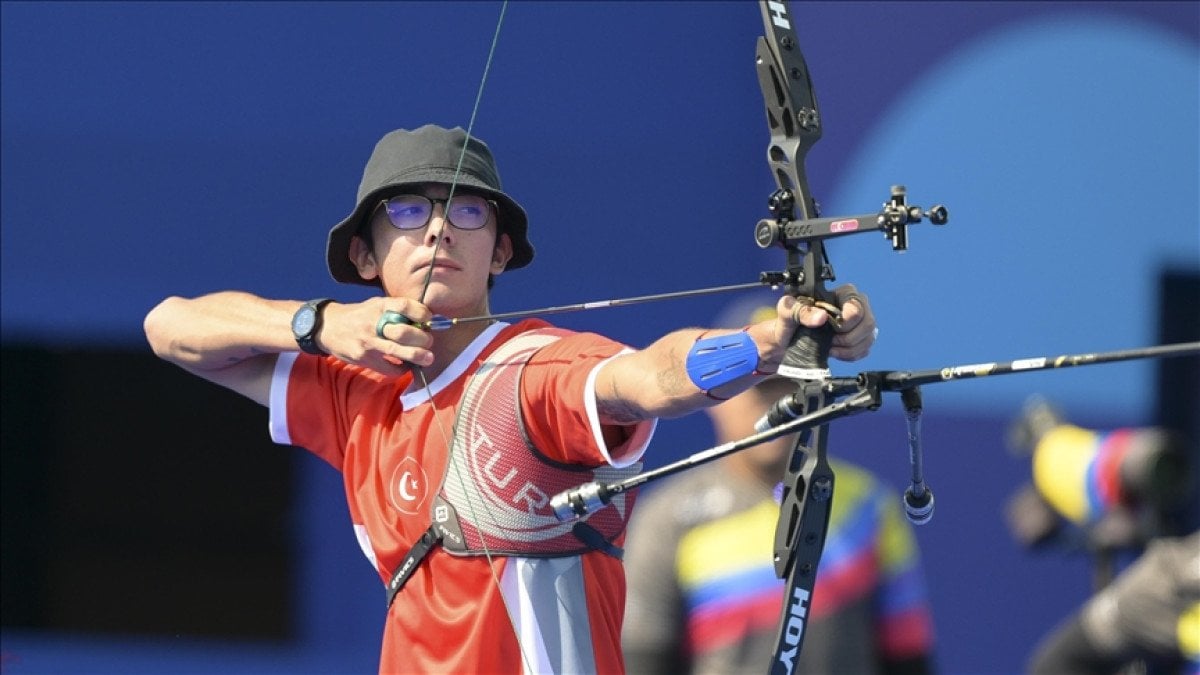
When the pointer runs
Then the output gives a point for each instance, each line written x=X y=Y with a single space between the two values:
x=430 y=154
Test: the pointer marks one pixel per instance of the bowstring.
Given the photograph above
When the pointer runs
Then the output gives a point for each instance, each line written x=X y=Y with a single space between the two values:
x=487 y=66
x=447 y=438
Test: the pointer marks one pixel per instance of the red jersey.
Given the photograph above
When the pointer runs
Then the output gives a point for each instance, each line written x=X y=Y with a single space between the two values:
x=465 y=614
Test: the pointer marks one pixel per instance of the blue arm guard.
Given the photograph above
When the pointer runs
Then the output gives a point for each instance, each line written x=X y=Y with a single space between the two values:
x=714 y=361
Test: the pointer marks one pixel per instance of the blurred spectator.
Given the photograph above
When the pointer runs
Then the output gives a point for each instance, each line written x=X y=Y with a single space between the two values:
x=1146 y=621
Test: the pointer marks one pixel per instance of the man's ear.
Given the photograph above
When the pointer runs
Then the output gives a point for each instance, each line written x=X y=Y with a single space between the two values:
x=363 y=258
x=502 y=253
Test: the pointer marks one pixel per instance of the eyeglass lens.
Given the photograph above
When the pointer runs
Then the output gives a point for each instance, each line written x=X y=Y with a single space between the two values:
x=412 y=212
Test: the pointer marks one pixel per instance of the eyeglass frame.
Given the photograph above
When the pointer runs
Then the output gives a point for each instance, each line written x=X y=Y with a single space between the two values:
x=494 y=211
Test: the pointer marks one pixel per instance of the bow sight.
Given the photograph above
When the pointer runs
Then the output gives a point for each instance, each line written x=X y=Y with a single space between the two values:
x=893 y=220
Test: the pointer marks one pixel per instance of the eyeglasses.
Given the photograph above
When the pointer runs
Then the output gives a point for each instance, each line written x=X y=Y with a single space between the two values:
x=413 y=212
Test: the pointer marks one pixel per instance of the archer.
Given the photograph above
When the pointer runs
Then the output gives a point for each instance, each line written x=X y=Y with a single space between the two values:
x=439 y=435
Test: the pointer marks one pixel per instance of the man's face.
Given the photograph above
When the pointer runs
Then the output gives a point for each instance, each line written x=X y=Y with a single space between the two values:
x=458 y=267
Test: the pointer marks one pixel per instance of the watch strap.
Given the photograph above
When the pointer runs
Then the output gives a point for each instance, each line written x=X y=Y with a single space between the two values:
x=307 y=341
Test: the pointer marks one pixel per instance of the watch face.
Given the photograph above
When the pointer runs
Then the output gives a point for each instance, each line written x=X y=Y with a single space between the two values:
x=303 y=321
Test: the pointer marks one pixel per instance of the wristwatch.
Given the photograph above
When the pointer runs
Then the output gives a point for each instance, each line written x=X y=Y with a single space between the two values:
x=305 y=324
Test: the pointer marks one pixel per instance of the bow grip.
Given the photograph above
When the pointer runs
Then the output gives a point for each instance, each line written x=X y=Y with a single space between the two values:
x=807 y=355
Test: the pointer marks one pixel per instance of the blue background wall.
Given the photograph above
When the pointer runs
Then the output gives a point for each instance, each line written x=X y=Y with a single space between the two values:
x=179 y=148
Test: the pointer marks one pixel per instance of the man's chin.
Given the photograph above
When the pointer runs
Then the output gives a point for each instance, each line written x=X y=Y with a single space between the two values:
x=446 y=301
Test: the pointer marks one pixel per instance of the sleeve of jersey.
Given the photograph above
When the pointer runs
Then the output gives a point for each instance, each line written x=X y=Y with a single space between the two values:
x=559 y=401
x=311 y=403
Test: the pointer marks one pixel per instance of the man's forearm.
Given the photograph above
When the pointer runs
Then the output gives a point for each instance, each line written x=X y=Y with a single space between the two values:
x=654 y=382
x=219 y=330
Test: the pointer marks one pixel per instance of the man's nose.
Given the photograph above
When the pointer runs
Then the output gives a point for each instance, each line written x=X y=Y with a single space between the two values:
x=438 y=227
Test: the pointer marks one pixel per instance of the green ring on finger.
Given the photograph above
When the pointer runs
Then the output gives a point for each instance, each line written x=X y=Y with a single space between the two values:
x=388 y=318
